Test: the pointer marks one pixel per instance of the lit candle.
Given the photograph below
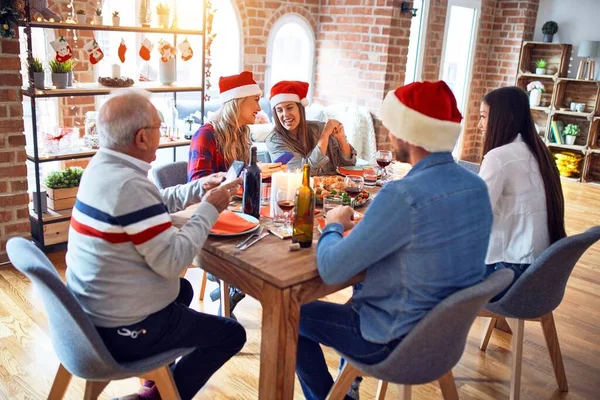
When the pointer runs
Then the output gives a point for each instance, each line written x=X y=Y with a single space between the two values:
x=284 y=180
x=116 y=71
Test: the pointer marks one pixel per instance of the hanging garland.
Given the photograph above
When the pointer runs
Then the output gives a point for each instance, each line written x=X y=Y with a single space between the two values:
x=210 y=36
x=11 y=12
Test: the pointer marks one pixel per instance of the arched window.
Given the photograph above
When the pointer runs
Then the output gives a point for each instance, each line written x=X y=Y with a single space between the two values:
x=290 y=51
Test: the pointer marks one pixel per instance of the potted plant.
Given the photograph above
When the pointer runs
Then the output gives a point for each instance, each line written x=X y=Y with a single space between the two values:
x=60 y=73
x=80 y=14
x=535 y=89
x=163 y=10
x=549 y=29
x=571 y=132
x=38 y=73
x=540 y=66
x=61 y=188
x=98 y=16
x=116 y=19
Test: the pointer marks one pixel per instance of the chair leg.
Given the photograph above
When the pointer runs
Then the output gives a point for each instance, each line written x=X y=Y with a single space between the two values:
x=487 y=333
x=224 y=299
x=165 y=384
x=343 y=382
x=549 y=329
x=448 y=386
x=60 y=384
x=381 y=390
x=202 y=285
x=93 y=389
x=517 y=326
x=405 y=392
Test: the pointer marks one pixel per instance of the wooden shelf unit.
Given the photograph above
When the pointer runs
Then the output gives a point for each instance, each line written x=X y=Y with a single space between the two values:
x=556 y=55
x=560 y=91
x=51 y=228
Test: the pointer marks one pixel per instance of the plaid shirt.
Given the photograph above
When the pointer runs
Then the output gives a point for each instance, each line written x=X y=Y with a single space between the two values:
x=205 y=158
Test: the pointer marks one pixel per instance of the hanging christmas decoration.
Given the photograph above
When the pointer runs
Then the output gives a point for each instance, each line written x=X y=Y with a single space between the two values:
x=210 y=36
x=62 y=48
x=146 y=48
x=122 y=50
x=94 y=51
x=186 y=50
x=166 y=50
x=10 y=14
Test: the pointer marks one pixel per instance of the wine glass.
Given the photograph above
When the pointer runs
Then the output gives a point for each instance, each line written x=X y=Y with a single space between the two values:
x=285 y=201
x=353 y=186
x=384 y=158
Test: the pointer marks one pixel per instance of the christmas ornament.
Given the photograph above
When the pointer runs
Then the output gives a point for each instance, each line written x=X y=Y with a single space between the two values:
x=62 y=48
x=94 y=51
x=186 y=50
x=147 y=47
x=122 y=50
x=166 y=50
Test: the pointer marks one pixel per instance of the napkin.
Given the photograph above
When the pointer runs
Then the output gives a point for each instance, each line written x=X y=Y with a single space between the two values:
x=230 y=222
x=351 y=171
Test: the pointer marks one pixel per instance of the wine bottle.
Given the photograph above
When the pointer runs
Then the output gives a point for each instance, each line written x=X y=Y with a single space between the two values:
x=252 y=181
x=305 y=211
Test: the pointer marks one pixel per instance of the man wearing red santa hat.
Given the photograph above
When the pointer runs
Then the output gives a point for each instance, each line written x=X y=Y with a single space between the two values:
x=321 y=145
x=423 y=238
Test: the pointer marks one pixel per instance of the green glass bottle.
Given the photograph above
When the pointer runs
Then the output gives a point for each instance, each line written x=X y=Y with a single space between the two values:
x=304 y=214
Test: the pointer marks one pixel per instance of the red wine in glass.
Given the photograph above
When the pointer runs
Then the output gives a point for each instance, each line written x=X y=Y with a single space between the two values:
x=353 y=191
x=383 y=162
x=286 y=205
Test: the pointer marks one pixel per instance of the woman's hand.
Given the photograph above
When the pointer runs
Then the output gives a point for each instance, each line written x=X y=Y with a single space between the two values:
x=267 y=169
x=331 y=127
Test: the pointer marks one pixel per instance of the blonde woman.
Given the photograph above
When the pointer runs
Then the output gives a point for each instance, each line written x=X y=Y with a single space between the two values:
x=226 y=137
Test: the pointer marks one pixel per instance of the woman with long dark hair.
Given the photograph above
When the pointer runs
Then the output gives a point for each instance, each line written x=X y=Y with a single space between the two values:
x=321 y=145
x=523 y=183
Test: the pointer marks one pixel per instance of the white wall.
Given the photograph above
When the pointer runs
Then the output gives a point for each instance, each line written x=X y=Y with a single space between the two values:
x=577 y=20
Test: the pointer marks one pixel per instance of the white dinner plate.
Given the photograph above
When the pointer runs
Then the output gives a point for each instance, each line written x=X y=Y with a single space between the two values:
x=248 y=218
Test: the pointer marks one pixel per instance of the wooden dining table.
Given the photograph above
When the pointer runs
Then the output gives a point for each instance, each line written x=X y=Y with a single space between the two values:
x=281 y=280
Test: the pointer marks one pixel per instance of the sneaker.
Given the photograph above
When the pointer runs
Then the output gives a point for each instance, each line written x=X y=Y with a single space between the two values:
x=211 y=277
x=354 y=391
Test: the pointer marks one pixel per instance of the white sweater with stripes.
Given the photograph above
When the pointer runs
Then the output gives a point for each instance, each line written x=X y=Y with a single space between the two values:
x=124 y=256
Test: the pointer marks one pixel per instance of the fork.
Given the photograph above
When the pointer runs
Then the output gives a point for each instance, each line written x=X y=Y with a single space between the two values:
x=257 y=232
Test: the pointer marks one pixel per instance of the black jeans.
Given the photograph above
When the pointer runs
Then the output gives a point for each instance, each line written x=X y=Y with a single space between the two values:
x=215 y=339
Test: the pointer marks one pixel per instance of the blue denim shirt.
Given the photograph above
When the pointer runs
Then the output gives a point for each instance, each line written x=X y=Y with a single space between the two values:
x=423 y=238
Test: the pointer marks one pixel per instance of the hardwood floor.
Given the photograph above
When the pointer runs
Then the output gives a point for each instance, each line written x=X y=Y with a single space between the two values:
x=28 y=363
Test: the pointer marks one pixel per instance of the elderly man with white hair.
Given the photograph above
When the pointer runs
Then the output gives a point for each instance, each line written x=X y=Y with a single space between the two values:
x=124 y=255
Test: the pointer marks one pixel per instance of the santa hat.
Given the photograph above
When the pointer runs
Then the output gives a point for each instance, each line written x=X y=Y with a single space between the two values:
x=237 y=87
x=289 y=91
x=423 y=114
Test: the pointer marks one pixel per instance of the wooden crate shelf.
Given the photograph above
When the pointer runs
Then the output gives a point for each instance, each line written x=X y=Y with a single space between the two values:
x=547 y=96
x=578 y=91
x=541 y=119
x=584 y=129
x=591 y=173
x=556 y=54
x=594 y=135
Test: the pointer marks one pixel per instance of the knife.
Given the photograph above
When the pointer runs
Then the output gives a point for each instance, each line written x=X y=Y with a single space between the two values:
x=262 y=236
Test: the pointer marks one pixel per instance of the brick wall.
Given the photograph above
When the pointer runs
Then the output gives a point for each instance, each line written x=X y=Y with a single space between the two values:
x=361 y=54
x=503 y=25
x=14 y=214
x=432 y=54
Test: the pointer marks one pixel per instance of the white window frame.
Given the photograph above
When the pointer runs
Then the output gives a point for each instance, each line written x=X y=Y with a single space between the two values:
x=475 y=4
x=291 y=18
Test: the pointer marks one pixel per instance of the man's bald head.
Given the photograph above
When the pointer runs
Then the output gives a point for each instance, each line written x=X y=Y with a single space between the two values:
x=122 y=115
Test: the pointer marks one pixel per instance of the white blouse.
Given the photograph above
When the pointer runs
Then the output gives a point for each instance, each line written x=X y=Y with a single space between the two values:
x=520 y=228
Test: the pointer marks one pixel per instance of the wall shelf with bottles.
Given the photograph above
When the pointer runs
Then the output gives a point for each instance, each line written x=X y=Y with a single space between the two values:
x=51 y=228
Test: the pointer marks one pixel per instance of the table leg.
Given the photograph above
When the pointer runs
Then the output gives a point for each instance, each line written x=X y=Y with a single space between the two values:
x=279 y=343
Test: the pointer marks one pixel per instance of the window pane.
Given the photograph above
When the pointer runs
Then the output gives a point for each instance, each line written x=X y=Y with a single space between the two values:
x=457 y=52
x=291 y=54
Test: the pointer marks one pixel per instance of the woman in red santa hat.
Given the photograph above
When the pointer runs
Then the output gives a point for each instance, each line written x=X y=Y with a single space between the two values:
x=321 y=145
x=226 y=138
